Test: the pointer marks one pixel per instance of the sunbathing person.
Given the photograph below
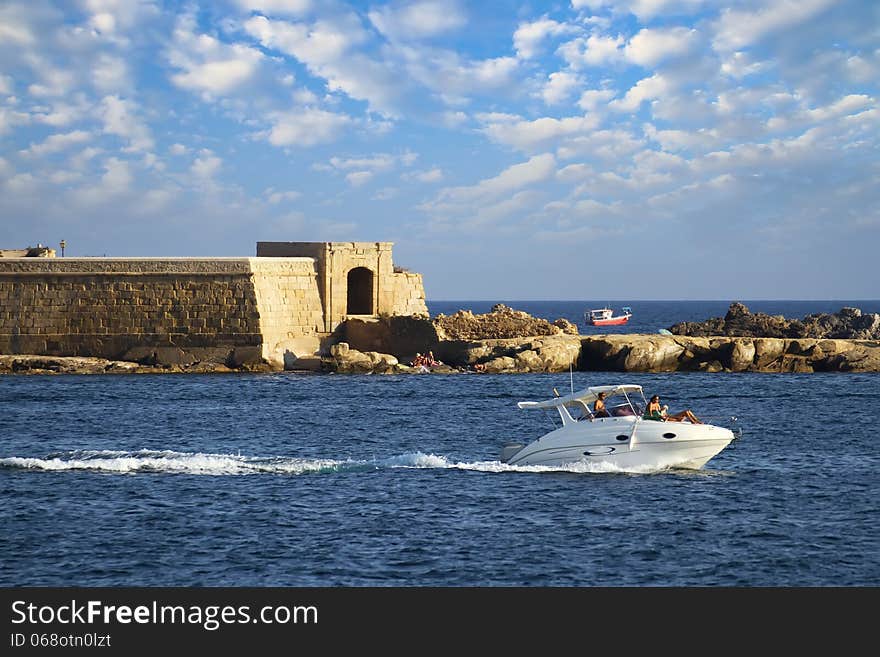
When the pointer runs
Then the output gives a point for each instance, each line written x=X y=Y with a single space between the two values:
x=657 y=412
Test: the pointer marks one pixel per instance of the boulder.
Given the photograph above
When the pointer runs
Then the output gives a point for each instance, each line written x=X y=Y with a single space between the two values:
x=500 y=323
x=848 y=323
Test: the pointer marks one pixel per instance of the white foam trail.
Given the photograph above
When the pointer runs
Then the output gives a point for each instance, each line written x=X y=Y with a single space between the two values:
x=198 y=463
x=420 y=460
x=169 y=461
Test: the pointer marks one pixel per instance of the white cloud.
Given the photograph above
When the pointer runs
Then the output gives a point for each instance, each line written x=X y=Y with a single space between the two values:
x=645 y=89
x=385 y=194
x=274 y=197
x=13 y=30
x=277 y=7
x=110 y=74
x=529 y=37
x=652 y=46
x=119 y=116
x=592 y=99
x=115 y=182
x=595 y=50
x=306 y=127
x=10 y=118
x=206 y=165
x=57 y=142
x=530 y=136
x=207 y=65
x=111 y=16
x=739 y=28
x=430 y=176
x=54 y=81
x=643 y=9
x=381 y=161
x=326 y=47
x=740 y=64
x=178 y=149
x=560 y=86
x=358 y=178
x=535 y=170
x=418 y=20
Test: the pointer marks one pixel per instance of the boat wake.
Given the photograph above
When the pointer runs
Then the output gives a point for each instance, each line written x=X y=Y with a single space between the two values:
x=197 y=463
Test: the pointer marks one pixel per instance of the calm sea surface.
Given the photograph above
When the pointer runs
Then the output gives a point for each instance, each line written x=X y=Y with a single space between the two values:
x=331 y=480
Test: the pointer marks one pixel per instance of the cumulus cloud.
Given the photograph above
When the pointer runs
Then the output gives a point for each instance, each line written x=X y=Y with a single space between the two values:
x=110 y=73
x=206 y=165
x=358 y=178
x=57 y=142
x=429 y=176
x=535 y=170
x=277 y=7
x=529 y=37
x=120 y=118
x=531 y=136
x=739 y=28
x=418 y=20
x=115 y=182
x=650 y=47
x=207 y=65
x=560 y=87
x=305 y=127
x=645 y=89
x=595 y=50
x=274 y=197
x=327 y=48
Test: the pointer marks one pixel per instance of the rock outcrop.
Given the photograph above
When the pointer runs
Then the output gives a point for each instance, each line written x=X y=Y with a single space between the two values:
x=662 y=353
x=847 y=324
x=23 y=364
x=501 y=323
x=509 y=341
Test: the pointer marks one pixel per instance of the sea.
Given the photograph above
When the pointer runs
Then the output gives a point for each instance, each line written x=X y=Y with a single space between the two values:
x=301 y=480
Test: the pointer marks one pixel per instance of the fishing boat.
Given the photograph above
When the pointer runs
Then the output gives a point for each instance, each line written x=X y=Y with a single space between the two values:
x=621 y=437
x=606 y=316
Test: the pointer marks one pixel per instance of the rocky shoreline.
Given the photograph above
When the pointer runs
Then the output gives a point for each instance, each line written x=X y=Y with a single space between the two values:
x=510 y=341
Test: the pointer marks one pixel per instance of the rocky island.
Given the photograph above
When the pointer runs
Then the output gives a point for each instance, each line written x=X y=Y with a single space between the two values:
x=507 y=340
x=346 y=307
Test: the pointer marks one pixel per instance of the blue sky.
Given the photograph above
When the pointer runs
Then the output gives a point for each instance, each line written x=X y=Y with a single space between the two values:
x=671 y=149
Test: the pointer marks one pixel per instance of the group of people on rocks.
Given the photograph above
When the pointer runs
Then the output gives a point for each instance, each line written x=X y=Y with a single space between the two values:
x=425 y=360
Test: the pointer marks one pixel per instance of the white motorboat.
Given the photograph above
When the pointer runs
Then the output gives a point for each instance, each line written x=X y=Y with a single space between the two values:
x=624 y=439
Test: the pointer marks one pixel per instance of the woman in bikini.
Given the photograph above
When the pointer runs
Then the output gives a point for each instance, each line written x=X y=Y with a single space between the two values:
x=657 y=412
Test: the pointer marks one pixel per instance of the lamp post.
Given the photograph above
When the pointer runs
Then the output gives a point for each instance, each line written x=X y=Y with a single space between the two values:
x=63 y=244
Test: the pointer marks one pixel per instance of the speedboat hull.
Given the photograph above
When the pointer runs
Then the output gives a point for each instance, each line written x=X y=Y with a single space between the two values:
x=629 y=443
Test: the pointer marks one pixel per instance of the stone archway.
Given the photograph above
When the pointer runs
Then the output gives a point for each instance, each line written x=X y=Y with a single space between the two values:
x=360 y=292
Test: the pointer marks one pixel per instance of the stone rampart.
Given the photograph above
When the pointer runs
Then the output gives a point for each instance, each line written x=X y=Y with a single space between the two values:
x=174 y=310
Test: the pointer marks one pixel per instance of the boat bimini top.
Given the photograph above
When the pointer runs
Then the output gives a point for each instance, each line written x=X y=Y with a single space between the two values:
x=583 y=399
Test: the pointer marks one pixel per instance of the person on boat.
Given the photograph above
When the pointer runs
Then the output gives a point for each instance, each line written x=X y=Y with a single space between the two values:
x=657 y=412
x=599 y=409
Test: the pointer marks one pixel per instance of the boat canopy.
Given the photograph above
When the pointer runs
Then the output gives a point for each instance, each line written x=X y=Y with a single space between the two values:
x=586 y=396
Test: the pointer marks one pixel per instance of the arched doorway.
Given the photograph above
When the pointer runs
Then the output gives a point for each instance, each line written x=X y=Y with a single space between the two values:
x=360 y=291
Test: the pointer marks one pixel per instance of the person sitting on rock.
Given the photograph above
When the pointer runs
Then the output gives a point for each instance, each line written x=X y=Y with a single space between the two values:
x=431 y=361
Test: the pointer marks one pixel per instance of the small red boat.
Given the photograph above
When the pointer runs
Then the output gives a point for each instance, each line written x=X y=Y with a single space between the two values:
x=606 y=317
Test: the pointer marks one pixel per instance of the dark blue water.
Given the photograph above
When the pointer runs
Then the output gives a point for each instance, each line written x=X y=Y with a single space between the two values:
x=301 y=480
x=651 y=316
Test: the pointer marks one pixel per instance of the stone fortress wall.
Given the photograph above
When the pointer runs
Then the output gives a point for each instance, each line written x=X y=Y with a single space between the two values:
x=278 y=307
